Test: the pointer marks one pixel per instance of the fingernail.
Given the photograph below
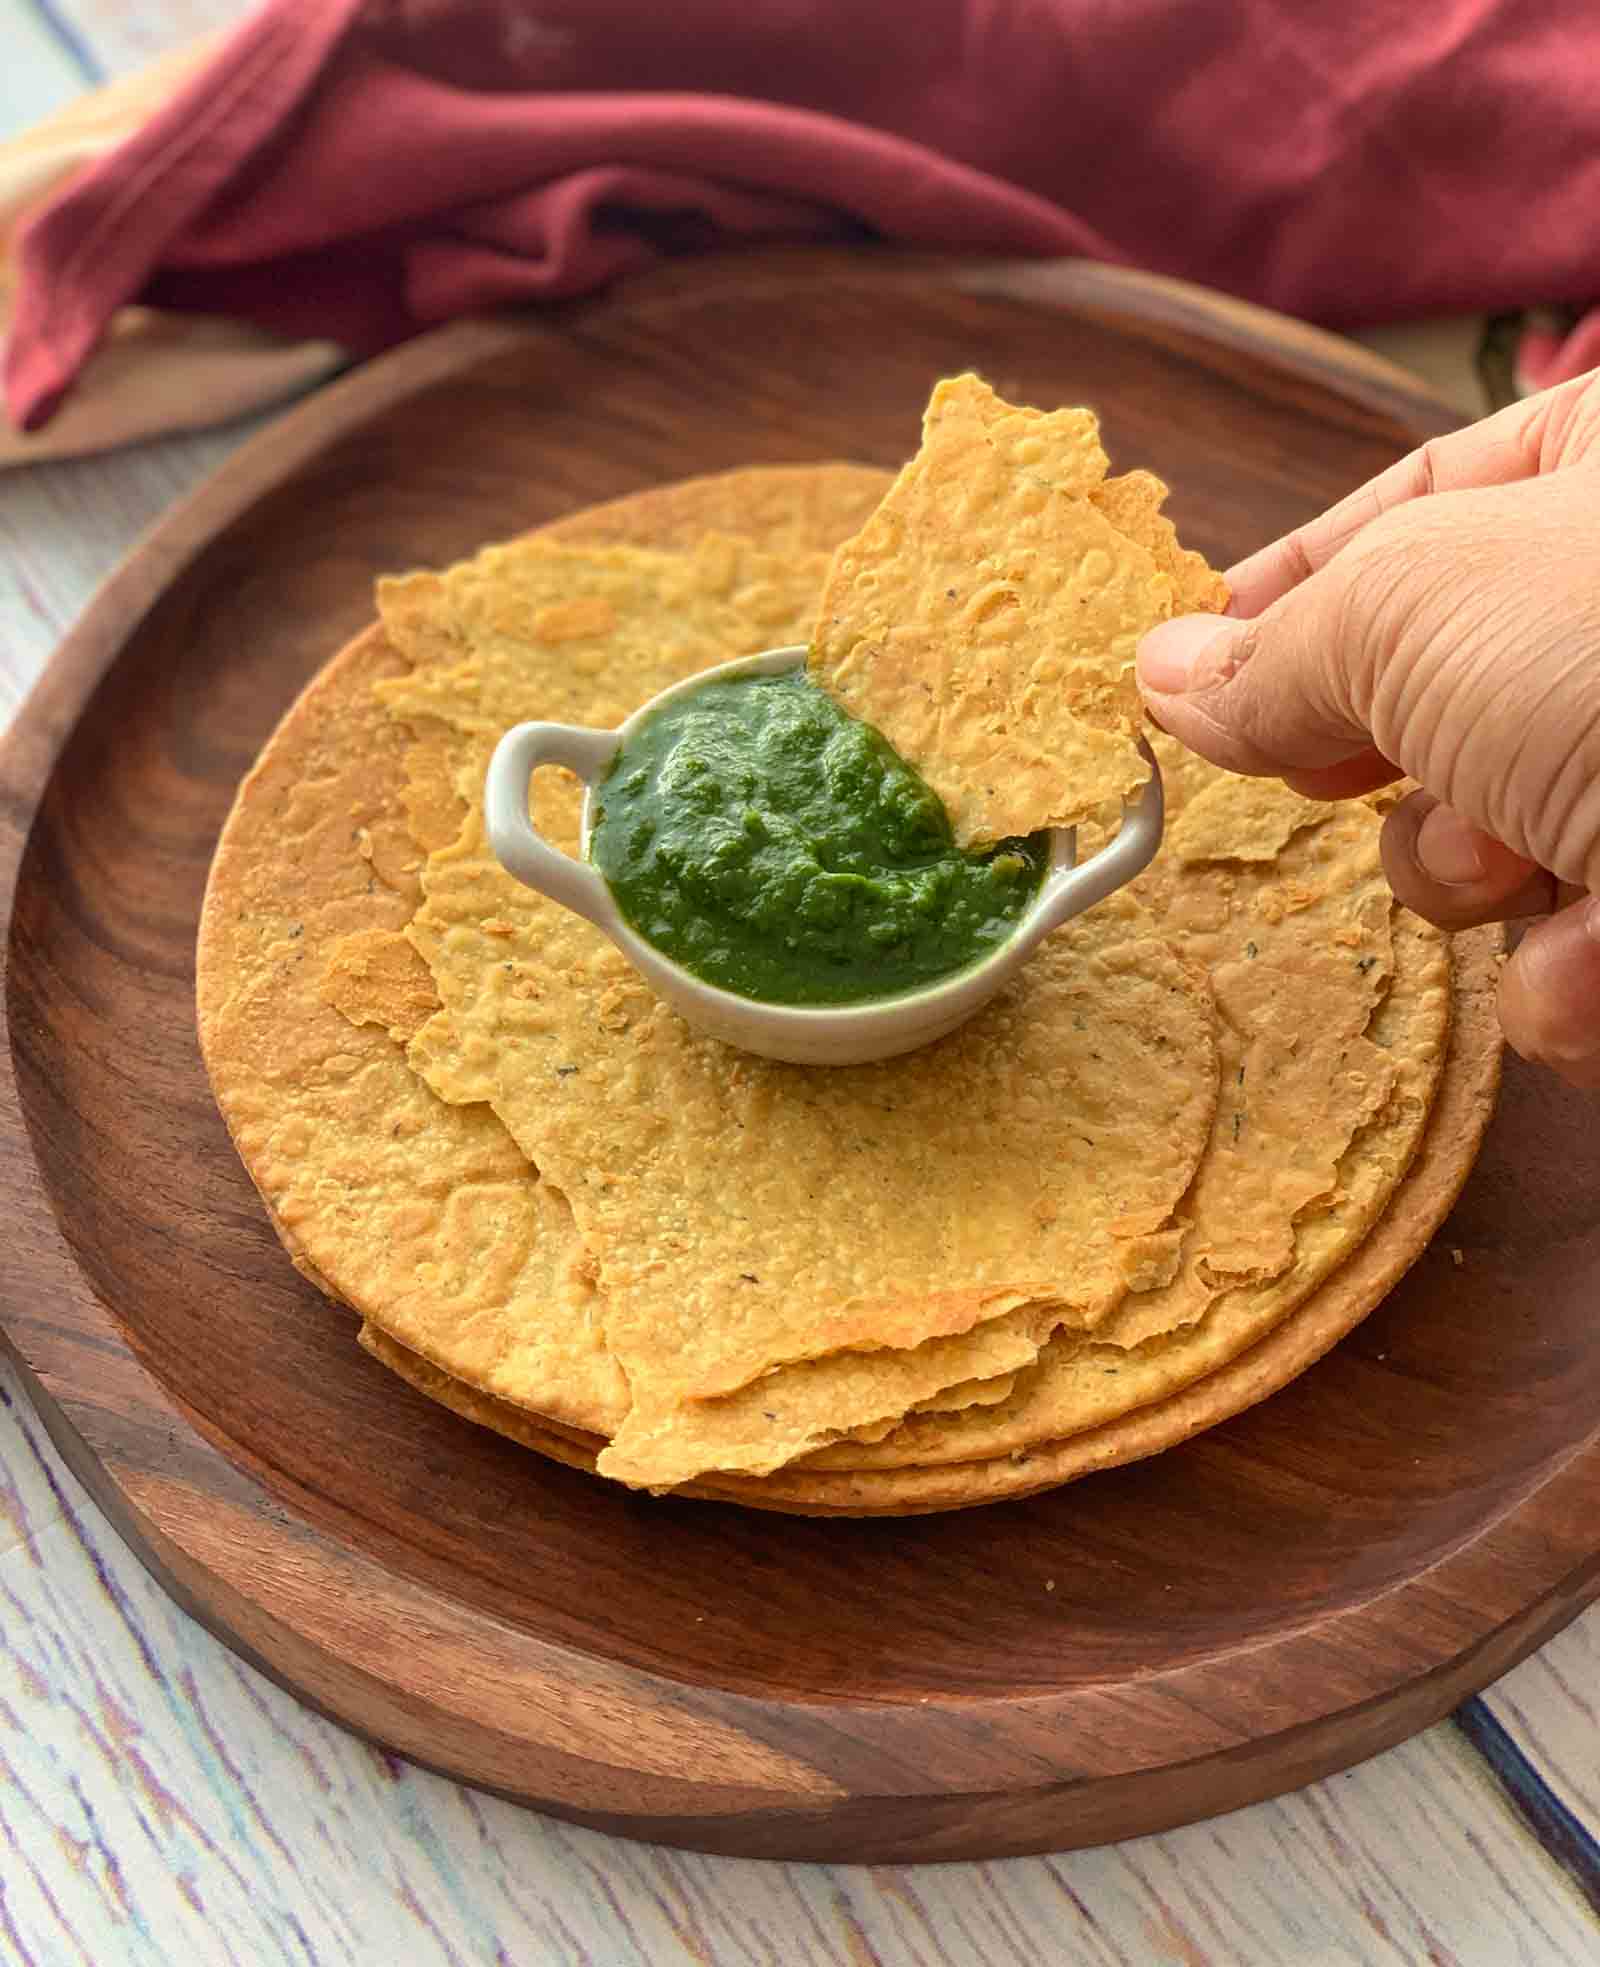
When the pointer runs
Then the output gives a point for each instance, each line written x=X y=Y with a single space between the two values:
x=1449 y=850
x=1169 y=655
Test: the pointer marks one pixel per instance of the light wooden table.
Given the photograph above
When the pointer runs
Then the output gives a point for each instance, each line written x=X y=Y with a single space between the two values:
x=161 y=1803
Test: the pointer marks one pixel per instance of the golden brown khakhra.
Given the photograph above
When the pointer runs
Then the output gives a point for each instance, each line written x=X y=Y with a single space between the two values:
x=425 y=1218
x=976 y=1302
x=985 y=617
x=1279 y=1352
x=993 y=1177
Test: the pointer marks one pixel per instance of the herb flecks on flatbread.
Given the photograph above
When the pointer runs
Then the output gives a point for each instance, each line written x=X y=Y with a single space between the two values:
x=986 y=616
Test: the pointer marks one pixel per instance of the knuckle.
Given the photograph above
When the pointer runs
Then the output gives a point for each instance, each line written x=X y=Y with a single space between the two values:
x=1565 y=430
x=1247 y=645
x=1297 y=555
x=1249 y=692
x=1411 y=583
x=1371 y=607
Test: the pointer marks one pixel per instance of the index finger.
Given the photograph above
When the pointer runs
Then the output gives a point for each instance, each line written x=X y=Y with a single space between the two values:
x=1511 y=444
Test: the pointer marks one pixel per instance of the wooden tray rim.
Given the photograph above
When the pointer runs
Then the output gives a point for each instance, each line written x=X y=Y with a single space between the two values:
x=863 y=1748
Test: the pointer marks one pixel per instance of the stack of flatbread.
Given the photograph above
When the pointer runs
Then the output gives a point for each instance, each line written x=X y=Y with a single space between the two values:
x=1181 y=1155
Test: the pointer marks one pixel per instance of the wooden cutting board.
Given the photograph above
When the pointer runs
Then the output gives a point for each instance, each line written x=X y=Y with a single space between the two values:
x=1278 y=1598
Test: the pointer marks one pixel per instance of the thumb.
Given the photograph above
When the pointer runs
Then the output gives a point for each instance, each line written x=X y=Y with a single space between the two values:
x=1270 y=695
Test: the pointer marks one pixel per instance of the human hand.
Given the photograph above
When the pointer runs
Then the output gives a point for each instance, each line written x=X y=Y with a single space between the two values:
x=1442 y=622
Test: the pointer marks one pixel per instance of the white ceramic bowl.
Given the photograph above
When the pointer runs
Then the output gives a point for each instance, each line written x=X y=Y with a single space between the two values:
x=846 y=1034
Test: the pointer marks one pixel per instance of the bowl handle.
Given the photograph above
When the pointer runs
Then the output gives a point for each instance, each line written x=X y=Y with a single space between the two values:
x=1073 y=889
x=518 y=845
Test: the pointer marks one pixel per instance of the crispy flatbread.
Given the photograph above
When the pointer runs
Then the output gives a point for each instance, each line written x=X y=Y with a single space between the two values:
x=985 y=617
x=464 y=1254
x=425 y=1218
x=1248 y=1373
x=1018 y=1170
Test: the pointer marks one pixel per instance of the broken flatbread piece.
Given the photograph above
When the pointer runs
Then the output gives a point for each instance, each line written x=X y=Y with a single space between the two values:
x=1234 y=819
x=1133 y=504
x=985 y=618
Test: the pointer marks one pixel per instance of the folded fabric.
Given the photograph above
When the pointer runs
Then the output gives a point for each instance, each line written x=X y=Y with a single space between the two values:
x=152 y=371
x=360 y=169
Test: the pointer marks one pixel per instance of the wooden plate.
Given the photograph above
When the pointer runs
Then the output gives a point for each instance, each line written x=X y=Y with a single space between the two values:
x=1282 y=1596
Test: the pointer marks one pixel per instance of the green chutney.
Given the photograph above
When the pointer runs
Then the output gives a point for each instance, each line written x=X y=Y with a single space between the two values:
x=776 y=846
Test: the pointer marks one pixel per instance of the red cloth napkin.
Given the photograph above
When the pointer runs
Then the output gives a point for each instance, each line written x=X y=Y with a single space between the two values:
x=362 y=169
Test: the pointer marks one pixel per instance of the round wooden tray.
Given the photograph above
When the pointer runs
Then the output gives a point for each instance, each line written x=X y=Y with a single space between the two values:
x=1277 y=1599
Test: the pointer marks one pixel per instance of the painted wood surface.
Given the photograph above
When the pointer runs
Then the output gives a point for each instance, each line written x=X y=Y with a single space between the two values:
x=104 y=39
x=159 y=1800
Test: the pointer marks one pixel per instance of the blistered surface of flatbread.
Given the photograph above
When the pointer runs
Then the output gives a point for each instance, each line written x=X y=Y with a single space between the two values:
x=423 y=1216
x=1080 y=1384
x=1133 y=504
x=1249 y=1368
x=985 y=618
x=1028 y=1158
x=544 y=1337
x=1234 y=819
